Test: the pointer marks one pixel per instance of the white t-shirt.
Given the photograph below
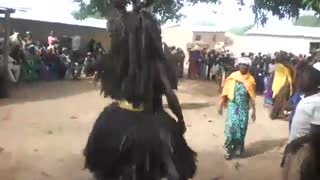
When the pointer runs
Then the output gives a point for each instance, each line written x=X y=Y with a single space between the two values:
x=307 y=111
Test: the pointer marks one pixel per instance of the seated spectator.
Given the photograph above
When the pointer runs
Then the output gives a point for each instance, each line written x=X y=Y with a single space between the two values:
x=89 y=65
x=28 y=39
x=14 y=64
x=57 y=67
x=14 y=70
x=29 y=69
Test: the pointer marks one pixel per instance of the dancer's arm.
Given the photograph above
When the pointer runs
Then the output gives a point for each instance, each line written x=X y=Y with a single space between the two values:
x=172 y=99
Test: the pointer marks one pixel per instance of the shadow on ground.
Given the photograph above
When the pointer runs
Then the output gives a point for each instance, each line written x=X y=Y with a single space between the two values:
x=38 y=91
x=263 y=146
x=200 y=87
x=189 y=106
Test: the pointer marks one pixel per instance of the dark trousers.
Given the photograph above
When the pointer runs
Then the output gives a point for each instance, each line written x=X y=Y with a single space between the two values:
x=210 y=65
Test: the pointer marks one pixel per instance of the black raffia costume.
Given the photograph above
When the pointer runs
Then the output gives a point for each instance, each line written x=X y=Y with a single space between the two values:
x=134 y=138
x=301 y=159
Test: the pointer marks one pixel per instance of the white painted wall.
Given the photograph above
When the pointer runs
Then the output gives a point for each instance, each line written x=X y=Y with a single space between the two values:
x=269 y=44
x=177 y=36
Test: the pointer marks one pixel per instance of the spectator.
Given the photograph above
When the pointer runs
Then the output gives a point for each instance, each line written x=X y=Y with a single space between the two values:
x=14 y=70
x=52 y=41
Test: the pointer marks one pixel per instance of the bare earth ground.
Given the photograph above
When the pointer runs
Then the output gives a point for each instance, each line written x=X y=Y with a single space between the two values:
x=44 y=127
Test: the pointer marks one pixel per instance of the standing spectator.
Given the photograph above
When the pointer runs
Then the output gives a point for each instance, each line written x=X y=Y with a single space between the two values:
x=194 y=62
x=52 y=41
x=92 y=46
x=308 y=109
x=238 y=93
x=181 y=62
x=272 y=67
x=28 y=40
x=282 y=86
x=212 y=58
x=89 y=63
x=203 y=64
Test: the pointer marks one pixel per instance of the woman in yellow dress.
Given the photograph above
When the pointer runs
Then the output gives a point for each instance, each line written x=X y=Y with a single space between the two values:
x=282 y=86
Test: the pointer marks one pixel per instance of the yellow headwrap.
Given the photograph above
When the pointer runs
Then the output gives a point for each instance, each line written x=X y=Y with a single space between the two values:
x=230 y=84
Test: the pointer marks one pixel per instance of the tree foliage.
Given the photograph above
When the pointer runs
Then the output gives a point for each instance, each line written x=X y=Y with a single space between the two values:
x=164 y=9
x=283 y=8
x=170 y=9
x=309 y=21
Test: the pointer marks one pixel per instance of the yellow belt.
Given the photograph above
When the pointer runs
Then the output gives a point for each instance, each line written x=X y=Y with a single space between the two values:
x=124 y=104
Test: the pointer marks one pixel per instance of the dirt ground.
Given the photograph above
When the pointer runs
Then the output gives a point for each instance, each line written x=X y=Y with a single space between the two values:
x=44 y=127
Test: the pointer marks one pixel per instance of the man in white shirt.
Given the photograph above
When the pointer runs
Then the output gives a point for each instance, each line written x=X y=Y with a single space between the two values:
x=308 y=109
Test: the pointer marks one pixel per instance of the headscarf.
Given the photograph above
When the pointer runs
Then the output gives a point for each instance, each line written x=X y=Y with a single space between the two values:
x=230 y=84
x=243 y=60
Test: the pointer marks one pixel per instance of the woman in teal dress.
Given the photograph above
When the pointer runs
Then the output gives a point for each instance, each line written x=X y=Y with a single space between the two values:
x=238 y=94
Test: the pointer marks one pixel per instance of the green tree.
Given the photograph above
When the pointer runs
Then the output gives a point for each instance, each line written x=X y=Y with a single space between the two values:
x=283 y=8
x=164 y=9
x=309 y=21
x=170 y=9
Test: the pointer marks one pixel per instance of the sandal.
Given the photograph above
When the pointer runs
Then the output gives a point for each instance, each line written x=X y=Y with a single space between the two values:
x=228 y=156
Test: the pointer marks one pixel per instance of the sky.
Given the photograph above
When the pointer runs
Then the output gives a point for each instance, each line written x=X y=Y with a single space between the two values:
x=49 y=10
x=227 y=14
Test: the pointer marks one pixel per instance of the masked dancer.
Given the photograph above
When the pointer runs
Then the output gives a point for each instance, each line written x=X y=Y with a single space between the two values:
x=134 y=138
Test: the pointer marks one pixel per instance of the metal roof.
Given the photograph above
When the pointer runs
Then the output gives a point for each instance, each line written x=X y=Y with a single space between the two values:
x=89 y=22
x=198 y=28
x=286 y=31
x=54 y=13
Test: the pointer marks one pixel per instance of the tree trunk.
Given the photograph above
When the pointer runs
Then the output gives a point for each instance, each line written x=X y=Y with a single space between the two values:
x=4 y=86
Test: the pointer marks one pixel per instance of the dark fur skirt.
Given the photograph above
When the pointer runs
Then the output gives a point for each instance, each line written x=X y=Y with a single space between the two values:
x=124 y=141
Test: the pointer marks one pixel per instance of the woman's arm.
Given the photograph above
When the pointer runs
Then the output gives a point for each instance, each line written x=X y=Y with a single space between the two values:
x=253 y=106
x=223 y=104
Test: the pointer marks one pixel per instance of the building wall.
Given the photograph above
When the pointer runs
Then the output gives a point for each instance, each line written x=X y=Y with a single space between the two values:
x=214 y=39
x=180 y=36
x=102 y=37
x=177 y=36
x=269 y=44
x=40 y=31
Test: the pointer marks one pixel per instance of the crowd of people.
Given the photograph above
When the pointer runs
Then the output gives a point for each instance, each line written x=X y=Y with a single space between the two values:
x=151 y=138
x=31 y=60
x=214 y=64
x=205 y=63
x=292 y=91
x=283 y=79
x=134 y=137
